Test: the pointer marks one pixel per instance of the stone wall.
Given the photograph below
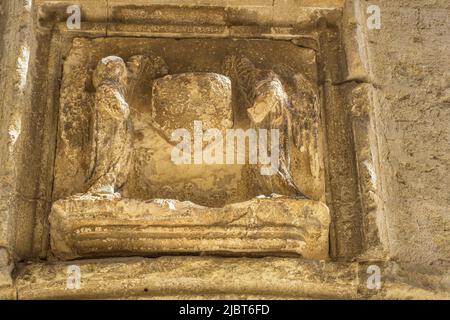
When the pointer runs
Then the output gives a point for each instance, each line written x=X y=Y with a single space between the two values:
x=409 y=60
x=396 y=82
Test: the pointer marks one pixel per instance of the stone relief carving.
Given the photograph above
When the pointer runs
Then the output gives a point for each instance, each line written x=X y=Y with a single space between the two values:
x=268 y=107
x=112 y=139
x=175 y=104
x=246 y=213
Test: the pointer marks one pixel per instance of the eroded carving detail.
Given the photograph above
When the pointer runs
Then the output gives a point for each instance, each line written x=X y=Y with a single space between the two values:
x=265 y=226
x=179 y=100
x=112 y=127
x=268 y=107
x=245 y=97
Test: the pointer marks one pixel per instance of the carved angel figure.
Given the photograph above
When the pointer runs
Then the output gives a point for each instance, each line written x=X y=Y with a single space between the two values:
x=112 y=138
x=268 y=107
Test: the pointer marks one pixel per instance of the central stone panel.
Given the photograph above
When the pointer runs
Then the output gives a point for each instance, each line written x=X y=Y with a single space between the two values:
x=118 y=190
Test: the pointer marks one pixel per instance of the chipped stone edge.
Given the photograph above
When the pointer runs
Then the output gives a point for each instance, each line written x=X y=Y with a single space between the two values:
x=197 y=277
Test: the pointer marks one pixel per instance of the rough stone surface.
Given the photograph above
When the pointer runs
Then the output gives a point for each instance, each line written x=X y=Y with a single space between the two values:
x=90 y=227
x=153 y=174
x=213 y=278
x=7 y=290
x=409 y=68
x=375 y=149
x=192 y=278
x=179 y=100
x=112 y=129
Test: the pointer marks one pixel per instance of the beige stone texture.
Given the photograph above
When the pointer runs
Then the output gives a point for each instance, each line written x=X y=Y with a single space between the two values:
x=179 y=100
x=409 y=70
x=214 y=278
x=192 y=278
x=153 y=175
x=368 y=112
x=89 y=227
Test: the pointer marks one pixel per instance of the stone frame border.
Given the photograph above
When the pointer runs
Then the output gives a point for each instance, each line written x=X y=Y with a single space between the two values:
x=321 y=35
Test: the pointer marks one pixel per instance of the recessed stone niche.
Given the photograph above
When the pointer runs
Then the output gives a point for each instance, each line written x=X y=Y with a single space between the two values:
x=153 y=174
x=254 y=77
x=170 y=84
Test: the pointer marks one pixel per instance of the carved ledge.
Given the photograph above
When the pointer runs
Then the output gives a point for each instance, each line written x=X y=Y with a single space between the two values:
x=88 y=226
x=214 y=278
x=191 y=278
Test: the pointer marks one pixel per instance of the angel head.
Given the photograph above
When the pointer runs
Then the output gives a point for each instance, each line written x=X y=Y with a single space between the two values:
x=110 y=69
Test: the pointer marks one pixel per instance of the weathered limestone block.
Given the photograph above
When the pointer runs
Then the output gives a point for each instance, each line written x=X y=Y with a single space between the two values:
x=191 y=278
x=88 y=226
x=214 y=278
x=6 y=283
x=355 y=43
x=112 y=141
x=152 y=173
x=373 y=224
x=269 y=102
x=179 y=100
